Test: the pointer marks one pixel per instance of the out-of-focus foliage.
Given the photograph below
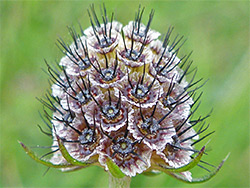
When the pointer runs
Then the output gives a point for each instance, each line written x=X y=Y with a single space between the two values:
x=218 y=32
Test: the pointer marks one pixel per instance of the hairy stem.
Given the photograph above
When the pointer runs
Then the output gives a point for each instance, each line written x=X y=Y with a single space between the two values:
x=119 y=182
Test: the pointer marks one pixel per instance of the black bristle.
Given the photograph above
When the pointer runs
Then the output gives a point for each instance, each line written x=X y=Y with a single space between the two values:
x=51 y=152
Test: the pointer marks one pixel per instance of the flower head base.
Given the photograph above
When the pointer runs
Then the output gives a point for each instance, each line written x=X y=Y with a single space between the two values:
x=120 y=100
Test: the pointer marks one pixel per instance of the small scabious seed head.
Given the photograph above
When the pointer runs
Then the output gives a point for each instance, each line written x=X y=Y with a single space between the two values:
x=120 y=96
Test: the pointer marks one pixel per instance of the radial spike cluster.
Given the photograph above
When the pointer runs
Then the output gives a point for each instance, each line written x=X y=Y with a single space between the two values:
x=120 y=96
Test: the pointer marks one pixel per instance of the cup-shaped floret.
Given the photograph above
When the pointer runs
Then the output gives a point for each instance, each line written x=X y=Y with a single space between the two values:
x=108 y=73
x=81 y=65
x=130 y=155
x=77 y=59
x=81 y=138
x=177 y=98
x=140 y=32
x=103 y=38
x=153 y=126
x=110 y=27
x=176 y=155
x=80 y=96
x=111 y=111
x=102 y=44
x=133 y=54
x=140 y=89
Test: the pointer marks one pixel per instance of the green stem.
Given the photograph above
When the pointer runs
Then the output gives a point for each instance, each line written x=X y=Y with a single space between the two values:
x=119 y=182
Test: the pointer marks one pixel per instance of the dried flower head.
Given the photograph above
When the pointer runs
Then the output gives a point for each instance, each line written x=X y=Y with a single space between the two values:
x=120 y=100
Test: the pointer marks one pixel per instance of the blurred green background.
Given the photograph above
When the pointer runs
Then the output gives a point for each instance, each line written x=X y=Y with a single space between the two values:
x=218 y=32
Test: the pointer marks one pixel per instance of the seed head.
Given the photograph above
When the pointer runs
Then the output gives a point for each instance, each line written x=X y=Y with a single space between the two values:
x=120 y=97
